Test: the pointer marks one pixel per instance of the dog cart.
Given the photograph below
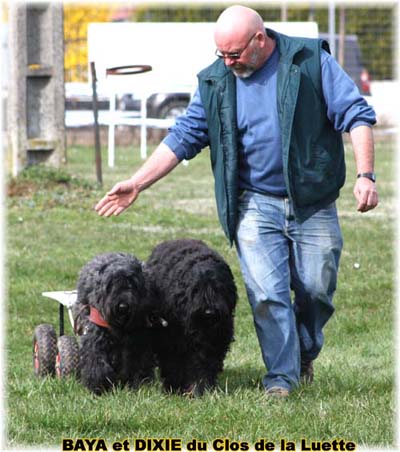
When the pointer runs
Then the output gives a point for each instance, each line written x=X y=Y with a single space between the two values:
x=60 y=357
x=52 y=355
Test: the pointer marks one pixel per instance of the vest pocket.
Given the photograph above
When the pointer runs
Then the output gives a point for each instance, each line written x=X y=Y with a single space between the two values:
x=319 y=175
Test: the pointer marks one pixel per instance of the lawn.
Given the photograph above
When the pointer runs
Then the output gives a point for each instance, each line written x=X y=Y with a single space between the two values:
x=53 y=231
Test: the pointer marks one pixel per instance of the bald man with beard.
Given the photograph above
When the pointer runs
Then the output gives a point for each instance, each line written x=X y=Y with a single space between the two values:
x=272 y=109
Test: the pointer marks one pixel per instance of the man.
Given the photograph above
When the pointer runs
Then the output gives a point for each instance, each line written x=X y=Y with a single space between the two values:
x=273 y=109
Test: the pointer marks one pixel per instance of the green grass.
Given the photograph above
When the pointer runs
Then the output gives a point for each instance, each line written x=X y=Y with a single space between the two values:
x=53 y=231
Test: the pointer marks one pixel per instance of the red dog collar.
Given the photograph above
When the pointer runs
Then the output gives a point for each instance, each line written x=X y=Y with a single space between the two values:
x=96 y=318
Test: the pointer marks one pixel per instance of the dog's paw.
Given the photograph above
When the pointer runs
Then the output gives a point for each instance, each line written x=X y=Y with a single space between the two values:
x=98 y=378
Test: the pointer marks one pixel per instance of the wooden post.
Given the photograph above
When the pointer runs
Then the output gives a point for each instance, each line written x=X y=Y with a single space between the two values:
x=96 y=126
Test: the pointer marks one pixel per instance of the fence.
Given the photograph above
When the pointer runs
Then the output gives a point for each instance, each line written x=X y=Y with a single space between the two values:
x=374 y=27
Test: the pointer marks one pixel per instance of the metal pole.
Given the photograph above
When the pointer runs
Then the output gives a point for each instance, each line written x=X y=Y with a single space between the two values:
x=61 y=319
x=111 y=129
x=143 y=126
x=96 y=126
x=284 y=11
x=311 y=13
x=332 y=32
x=342 y=35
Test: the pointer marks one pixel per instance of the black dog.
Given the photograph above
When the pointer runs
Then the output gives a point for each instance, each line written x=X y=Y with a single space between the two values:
x=196 y=293
x=112 y=316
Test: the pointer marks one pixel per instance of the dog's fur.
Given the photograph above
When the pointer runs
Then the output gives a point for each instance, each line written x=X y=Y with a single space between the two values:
x=196 y=293
x=121 y=353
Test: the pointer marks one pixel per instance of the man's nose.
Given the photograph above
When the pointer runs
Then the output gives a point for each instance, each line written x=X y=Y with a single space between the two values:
x=229 y=61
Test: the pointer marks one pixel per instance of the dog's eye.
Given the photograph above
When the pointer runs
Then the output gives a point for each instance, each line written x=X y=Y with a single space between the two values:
x=123 y=308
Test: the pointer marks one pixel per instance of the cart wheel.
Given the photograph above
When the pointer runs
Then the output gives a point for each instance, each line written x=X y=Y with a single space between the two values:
x=67 y=360
x=44 y=350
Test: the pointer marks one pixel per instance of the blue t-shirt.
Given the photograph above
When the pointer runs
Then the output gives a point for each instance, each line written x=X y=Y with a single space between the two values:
x=260 y=156
x=260 y=151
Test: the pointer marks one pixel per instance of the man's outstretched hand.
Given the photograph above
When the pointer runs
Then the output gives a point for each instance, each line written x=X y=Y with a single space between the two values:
x=119 y=198
x=123 y=194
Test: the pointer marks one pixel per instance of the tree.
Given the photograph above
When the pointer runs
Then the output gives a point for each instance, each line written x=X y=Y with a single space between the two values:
x=76 y=20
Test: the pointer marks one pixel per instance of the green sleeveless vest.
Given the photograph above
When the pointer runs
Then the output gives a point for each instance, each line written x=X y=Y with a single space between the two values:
x=312 y=151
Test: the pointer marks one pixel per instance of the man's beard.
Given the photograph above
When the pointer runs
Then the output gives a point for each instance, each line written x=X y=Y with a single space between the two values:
x=246 y=70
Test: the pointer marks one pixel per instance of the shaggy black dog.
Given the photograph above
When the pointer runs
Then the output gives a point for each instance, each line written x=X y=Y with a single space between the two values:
x=196 y=293
x=112 y=316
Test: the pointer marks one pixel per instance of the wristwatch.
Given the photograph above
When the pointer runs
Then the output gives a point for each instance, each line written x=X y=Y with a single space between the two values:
x=370 y=176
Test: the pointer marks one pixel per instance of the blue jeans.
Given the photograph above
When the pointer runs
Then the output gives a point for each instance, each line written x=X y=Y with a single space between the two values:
x=277 y=254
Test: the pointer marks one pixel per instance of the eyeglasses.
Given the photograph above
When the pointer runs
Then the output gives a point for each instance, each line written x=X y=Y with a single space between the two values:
x=234 y=55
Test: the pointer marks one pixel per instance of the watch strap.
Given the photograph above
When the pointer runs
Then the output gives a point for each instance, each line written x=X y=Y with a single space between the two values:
x=370 y=176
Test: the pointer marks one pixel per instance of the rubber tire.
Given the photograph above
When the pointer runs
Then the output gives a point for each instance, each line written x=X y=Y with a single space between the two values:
x=172 y=109
x=67 y=360
x=44 y=350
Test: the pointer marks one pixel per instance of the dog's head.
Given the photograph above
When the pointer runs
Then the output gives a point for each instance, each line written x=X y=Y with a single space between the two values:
x=125 y=297
x=116 y=289
x=213 y=298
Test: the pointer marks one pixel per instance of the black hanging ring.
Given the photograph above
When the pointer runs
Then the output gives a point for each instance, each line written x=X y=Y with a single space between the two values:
x=127 y=70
